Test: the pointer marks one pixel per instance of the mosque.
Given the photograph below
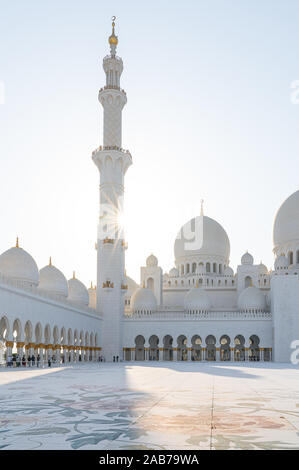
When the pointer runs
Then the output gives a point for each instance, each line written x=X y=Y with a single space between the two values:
x=200 y=311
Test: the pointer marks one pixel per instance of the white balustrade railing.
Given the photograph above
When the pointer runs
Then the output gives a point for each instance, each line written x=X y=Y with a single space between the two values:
x=181 y=315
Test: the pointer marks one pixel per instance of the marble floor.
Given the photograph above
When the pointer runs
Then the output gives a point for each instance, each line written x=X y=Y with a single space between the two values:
x=151 y=406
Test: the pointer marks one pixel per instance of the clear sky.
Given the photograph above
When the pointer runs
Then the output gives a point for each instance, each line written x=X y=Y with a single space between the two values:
x=209 y=116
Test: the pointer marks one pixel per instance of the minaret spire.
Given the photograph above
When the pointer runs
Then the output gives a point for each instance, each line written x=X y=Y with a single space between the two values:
x=201 y=207
x=113 y=40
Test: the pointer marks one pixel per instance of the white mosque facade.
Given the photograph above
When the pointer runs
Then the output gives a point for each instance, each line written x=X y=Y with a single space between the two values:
x=200 y=311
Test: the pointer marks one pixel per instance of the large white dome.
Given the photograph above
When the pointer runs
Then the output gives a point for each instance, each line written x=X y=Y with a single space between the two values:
x=286 y=223
x=252 y=298
x=197 y=299
x=19 y=265
x=143 y=299
x=52 y=280
x=202 y=236
x=78 y=292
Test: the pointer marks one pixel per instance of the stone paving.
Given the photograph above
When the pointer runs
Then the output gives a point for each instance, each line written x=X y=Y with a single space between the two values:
x=151 y=406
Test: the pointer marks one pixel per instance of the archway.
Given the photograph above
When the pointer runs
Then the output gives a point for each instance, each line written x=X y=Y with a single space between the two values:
x=254 y=350
x=225 y=348
x=28 y=332
x=17 y=334
x=239 y=351
x=210 y=348
x=81 y=346
x=153 y=348
x=196 y=353
x=4 y=334
x=150 y=284
x=247 y=282
x=167 y=348
x=4 y=329
x=182 y=352
x=139 y=348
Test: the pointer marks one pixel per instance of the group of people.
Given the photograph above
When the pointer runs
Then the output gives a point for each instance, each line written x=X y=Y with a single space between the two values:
x=30 y=361
x=17 y=361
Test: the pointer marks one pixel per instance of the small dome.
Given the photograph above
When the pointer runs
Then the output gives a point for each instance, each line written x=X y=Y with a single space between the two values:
x=252 y=298
x=247 y=258
x=52 y=280
x=143 y=299
x=228 y=271
x=174 y=272
x=78 y=292
x=262 y=269
x=197 y=299
x=281 y=262
x=18 y=265
x=151 y=261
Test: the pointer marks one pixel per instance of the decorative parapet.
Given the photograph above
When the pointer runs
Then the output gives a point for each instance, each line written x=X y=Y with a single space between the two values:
x=124 y=287
x=102 y=148
x=108 y=284
x=112 y=87
x=210 y=316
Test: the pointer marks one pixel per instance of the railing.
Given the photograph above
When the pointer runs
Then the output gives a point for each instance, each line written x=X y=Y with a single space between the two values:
x=213 y=316
x=112 y=87
x=110 y=147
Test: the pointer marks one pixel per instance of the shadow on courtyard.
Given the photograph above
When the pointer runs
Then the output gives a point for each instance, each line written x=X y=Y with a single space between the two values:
x=79 y=407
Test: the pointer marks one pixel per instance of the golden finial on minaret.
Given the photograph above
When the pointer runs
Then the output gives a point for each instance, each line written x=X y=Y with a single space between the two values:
x=17 y=243
x=91 y=286
x=201 y=207
x=50 y=261
x=113 y=40
x=74 y=275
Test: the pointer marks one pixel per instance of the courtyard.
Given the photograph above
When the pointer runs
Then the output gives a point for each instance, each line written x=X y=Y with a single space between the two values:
x=158 y=406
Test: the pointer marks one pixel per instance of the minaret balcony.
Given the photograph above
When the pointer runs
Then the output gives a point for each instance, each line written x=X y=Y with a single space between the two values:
x=102 y=153
x=112 y=87
x=103 y=148
x=124 y=287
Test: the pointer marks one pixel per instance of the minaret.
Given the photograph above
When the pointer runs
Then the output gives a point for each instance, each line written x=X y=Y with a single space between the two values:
x=112 y=161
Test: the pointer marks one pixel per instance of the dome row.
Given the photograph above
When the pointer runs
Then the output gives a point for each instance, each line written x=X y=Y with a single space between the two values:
x=19 y=265
x=143 y=300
